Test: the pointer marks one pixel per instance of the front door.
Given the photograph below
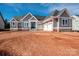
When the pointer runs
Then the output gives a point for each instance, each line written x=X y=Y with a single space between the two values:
x=33 y=25
x=19 y=26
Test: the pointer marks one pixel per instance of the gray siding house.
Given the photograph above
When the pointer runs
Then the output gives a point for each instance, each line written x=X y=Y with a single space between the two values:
x=27 y=22
x=58 y=21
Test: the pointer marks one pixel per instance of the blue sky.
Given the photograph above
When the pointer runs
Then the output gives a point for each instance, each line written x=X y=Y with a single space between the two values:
x=43 y=9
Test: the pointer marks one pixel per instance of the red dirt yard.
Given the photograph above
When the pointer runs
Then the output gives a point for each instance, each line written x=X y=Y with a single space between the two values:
x=39 y=43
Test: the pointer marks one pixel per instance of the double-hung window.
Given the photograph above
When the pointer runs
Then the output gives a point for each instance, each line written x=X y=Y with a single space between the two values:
x=25 y=24
x=64 y=22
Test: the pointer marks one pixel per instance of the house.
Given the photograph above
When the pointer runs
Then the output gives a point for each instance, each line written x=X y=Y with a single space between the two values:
x=2 y=23
x=75 y=23
x=58 y=21
x=27 y=22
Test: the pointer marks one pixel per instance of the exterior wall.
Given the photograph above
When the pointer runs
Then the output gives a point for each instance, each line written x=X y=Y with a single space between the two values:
x=68 y=27
x=55 y=24
x=2 y=24
x=75 y=23
x=39 y=26
x=24 y=23
x=14 y=26
x=65 y=14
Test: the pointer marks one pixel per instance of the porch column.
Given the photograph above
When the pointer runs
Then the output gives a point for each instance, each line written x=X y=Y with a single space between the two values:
x=29 y=25
x=58 y=24
x=10 y=25
x=36 y=25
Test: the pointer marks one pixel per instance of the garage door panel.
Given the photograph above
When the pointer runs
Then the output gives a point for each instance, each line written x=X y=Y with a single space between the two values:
x=50 y=27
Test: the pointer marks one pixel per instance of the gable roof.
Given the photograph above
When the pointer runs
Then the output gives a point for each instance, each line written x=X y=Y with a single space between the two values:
x=40 y=18
x=18 y=17
x=57 y=13
x=54 y=13
x=28 y=16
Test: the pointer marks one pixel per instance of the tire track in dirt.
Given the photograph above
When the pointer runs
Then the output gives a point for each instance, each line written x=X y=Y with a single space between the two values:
x=44 y=43
x=58 y=48
x=68 y=41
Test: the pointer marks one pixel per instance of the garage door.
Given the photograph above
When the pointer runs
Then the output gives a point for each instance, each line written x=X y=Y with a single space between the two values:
x=50 y=27
x=45 y=27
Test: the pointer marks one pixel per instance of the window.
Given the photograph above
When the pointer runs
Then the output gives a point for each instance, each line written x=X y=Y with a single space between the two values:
x=25 y=24
x=13 y=23
x=64 y=22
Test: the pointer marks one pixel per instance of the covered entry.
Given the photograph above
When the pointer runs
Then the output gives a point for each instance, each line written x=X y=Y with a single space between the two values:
x=33 y=25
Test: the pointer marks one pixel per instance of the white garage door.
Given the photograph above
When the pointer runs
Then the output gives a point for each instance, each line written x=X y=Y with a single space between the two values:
x=45 y=27
x=50 y=27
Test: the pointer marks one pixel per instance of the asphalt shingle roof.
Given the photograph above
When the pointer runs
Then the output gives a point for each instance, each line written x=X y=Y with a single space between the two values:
x=55 y=13
x=18 y=18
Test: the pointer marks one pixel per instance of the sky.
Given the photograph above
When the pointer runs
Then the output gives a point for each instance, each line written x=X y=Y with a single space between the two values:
x=9 y=10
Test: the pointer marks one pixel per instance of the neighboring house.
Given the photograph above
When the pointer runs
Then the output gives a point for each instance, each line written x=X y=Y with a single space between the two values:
x=27 y=22
x=2 y=23
x=75 y=23
x=58 y=21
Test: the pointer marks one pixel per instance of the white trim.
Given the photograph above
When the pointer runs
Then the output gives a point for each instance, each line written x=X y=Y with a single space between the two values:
x=33 y=20
x=62 y=28
x=58 y=24
x=65 y=27
x=26 y=16
x=51 y=18
x=13 y=28
x=12 y=19
x=63 y=11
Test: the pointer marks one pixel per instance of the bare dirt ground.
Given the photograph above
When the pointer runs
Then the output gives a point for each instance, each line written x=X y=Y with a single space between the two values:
x=39 y=43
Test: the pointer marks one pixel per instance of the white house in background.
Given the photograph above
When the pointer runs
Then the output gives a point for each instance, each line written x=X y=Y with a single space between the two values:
x=27 y=22
x=2 y=23
x=58 y=21
x=75 y=23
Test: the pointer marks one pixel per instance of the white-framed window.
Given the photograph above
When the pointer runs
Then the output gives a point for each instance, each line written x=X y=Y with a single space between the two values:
x=25 y=24
x=64 y=21
x=13 y=25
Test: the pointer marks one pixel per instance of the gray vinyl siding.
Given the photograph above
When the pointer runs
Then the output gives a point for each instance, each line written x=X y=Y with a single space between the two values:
x=39 y=25
x=55 y=23
x=69 y=25
x=14 y=25
x=27 y=17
